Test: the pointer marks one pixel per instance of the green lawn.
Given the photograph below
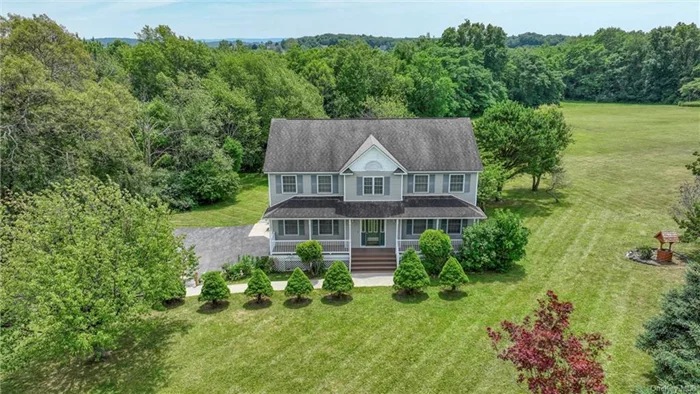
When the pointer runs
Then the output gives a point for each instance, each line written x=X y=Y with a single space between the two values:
x=246 y=208
x=625 y=167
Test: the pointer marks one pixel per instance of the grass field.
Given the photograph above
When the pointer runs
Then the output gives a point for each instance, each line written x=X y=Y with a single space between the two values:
x=246 y=208
x=625 y=167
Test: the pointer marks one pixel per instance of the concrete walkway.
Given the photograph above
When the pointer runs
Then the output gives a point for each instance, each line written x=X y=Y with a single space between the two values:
x=361 y=280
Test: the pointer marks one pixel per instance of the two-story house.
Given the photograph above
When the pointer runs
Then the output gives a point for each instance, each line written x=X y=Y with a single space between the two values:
x=367 y=188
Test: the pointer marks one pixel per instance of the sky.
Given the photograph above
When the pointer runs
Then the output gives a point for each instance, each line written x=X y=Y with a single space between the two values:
x=294 y=18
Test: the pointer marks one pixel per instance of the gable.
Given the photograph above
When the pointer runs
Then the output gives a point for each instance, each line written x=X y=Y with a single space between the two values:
x=373 y=159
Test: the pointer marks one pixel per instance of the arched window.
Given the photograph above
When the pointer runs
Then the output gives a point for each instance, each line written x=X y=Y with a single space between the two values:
x=373 y=166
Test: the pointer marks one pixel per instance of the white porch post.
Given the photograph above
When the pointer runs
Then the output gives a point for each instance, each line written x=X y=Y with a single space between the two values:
x=349 y=244
x=309 y=228
x=397 y=239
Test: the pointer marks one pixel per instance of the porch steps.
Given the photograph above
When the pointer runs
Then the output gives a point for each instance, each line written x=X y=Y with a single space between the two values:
x=373 y=260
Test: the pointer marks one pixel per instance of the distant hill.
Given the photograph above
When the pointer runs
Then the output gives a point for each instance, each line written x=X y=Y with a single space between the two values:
x=534 y=40
x=212 y=42
x=328 y=39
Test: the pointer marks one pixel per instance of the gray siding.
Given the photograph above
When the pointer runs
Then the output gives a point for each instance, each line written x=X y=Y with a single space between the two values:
x=439 y=184
x=393 y=187
x=304 y=188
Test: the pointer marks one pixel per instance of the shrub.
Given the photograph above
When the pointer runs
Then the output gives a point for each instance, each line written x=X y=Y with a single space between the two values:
x=495 y=244
x=243 y=269
x=298 y=285
x=214 y=288
x=338 y=279
x=259 y=285
x=452 y=275
x=264 y=263
x=410 y=276
x=436 y=248
x=645 y=252
x=311 y=252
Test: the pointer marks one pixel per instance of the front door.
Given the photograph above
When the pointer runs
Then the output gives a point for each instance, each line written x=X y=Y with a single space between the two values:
x=373 y=232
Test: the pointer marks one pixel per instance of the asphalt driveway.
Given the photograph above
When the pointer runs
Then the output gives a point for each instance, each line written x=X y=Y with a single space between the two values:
x=218 y=245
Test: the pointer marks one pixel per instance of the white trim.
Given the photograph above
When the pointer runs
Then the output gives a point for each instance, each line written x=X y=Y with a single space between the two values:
x=427 y=184
x=296 y=181
x=449 y=183
x=380 y=148
x=386 y=218
x=299 y=172
x=445 y=172
x=317 y=184
x=269 y=190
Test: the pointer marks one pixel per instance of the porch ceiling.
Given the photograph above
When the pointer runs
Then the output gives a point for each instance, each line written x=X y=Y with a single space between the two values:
x=410 y=207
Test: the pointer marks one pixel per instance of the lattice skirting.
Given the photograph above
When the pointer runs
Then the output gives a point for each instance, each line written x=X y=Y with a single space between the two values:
x=288 y=263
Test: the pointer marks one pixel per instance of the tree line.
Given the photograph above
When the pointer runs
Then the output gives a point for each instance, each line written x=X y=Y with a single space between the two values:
x=174 y=118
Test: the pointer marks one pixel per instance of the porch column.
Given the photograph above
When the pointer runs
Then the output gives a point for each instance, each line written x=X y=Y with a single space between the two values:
x=349 y=244
x=396 y=245
x=309 y=228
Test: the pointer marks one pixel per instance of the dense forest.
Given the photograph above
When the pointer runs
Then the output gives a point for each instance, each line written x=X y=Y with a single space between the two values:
x=174 y=118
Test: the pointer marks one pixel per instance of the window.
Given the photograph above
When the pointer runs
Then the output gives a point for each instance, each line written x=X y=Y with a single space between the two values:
x=291 y=227
x=289 y=183
x=454 y=226
x=325 y=227
x=420 y=183
x=373 y=185
x=419 y=226
x=324 y=184
x=456 y=183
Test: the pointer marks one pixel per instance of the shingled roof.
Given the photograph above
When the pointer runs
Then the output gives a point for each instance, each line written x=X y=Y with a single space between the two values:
x=410 y=207
x=325 y=145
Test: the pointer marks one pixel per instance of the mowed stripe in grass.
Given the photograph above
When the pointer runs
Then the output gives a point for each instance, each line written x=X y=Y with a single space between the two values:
x=625 y=167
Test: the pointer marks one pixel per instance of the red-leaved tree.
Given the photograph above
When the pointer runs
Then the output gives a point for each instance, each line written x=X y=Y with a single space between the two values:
x=548 y=355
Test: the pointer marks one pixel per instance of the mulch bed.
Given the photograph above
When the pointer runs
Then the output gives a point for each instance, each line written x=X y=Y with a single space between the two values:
x=678 y=259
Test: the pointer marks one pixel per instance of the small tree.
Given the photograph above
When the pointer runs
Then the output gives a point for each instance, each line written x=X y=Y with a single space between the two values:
x=311 y=252
x=338 y=279
x=436 y=248
x=259 y=285
x=298 y=285
x=495 y=244
x=548 y=355
x=214 y=288
x=452 y=275
x=410 y=276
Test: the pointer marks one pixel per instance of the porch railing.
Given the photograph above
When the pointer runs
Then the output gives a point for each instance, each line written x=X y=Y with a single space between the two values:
x=403 y=244
x=330 y=246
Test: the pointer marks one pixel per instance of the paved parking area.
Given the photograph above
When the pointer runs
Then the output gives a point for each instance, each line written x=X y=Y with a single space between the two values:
x=218 y=245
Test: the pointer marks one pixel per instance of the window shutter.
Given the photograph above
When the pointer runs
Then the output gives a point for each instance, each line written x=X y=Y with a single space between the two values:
x=359 y=186
x=431 y=223
x=443 y=225
x=431 y=183
x=313 y=184
x=409 y=227
x=410 y=184
x=278 y=184
x=467 y=183
x=280 y=225
x=300 y=184
x=445 y=183
x=387 y=185
x=336 y=227
x=301 y=227
x=314 y=227
x=335 y=184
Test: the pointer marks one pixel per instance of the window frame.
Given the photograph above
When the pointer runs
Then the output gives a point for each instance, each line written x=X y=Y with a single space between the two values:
x=413 y=226
x=318 y=184
x=449 y=184
x=295 y=183
x=373 y=185
x=427 y=183
x=331 y=226
x=447 y=227
x=285 y=227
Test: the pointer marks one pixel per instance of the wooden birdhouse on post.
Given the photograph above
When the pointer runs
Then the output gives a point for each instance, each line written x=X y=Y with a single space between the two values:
x=663 y=237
